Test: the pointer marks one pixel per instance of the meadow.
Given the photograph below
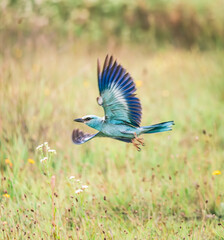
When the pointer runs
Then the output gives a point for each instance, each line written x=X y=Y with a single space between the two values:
x=172 y=189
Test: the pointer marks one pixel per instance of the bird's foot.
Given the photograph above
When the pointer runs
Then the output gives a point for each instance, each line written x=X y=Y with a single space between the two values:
x=136 y=144
x=140 y=140
x=136 y=141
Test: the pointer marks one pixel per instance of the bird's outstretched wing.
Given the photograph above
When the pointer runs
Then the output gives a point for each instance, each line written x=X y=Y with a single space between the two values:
x=79 y=137
x=117 y=97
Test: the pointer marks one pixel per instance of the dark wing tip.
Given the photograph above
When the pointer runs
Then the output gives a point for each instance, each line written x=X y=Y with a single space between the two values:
x=105 y=63
x=79 y=137
x=75 y=135
x=98 y=68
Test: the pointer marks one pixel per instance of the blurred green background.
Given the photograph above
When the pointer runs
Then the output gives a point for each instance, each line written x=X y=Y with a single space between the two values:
x=173 y=188
x=193 y=23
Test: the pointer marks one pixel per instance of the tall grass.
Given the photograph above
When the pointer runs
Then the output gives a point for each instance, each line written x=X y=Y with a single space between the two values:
x=166 y=191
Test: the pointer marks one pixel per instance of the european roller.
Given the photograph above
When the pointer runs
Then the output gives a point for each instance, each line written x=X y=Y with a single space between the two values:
x=122 y=109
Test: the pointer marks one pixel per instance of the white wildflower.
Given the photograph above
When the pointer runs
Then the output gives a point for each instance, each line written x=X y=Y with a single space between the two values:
x=51 y=151
x=39 y=147
x=71 y=177
x=78 y=191
x=46 y=143
x=84 y=187
x=77 y=180
x=43 y=159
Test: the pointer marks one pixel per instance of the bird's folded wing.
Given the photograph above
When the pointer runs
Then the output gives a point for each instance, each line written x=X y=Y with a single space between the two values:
x=117 y=96
x=79 y=137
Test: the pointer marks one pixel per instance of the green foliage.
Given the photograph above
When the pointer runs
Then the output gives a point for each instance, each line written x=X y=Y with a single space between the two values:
x=180 y=23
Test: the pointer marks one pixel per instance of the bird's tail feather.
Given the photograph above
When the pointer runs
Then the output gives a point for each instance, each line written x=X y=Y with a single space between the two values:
x=160 y=127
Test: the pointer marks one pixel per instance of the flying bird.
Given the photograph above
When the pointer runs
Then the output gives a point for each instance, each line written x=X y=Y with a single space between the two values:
x=122 y=109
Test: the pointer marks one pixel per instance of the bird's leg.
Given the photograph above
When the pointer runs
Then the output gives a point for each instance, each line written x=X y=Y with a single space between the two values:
x=140 y=140
x=135 y=144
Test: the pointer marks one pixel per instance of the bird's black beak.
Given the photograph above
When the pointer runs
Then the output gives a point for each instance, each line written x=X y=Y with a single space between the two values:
x=79 y=120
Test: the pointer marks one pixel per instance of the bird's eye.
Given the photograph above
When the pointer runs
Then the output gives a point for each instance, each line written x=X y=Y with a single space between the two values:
x=87 y=119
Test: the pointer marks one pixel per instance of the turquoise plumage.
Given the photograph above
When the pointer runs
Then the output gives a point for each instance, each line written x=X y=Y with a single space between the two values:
x=121 y=106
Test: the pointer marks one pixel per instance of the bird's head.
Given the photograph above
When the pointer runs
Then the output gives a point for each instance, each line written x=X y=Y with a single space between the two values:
x=91 y=121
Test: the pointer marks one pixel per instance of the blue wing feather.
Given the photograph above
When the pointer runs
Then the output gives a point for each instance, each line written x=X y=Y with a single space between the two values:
x=112 y=73
x=117 y=91
x=104 y=72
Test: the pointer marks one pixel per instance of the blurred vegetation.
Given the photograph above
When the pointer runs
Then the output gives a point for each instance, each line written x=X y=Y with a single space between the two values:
x=179 y=23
